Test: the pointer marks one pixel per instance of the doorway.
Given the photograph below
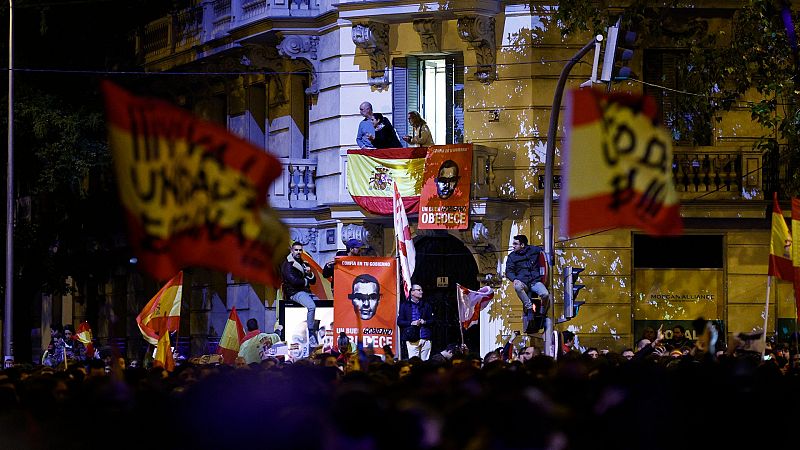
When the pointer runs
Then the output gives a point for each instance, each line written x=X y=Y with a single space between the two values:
x=441 y=262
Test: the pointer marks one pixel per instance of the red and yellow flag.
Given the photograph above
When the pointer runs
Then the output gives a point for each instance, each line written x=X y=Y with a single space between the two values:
x=322 y=288
x=84 y=334
x=162 y=313
x=231 y=337
x=370 y=174
x=780 y=244
x=618 y=166
x=193 y=193
x=164 y=352
x=796 y=254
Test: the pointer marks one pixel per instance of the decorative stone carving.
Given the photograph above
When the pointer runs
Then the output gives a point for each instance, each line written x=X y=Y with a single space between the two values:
x=478 y=31
x=305 y=236
x=304 y=47
x=430 y=34
x=482 y=233
x=373 y=38
x=353 y=231
x=369 y=234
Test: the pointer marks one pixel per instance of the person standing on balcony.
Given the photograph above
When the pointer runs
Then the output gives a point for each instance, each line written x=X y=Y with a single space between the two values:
x=420 y=133
x=385 y=136
x=365 y=127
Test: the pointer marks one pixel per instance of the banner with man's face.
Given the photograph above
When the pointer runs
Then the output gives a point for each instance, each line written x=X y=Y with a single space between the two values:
x=444 y=202
x=365 y=301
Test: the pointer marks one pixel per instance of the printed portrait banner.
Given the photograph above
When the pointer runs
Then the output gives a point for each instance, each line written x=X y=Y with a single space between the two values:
x=618 y=166
x=365 y=301
x=193 y=193
x=445 y=193
x=370 y=174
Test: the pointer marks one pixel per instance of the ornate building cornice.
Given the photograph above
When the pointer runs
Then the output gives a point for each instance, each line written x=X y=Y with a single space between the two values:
x=430 y=34
x=303 y=47
x=373 y=38
x=478 y=31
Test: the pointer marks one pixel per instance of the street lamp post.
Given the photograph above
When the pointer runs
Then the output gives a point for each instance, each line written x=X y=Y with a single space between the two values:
x=549 y=337
x=9 y=288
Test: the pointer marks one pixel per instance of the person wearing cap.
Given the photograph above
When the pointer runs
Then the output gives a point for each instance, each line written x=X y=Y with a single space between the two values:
x=353 y=249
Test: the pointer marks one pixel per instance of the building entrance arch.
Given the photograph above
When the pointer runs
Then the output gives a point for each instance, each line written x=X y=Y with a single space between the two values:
x=441 y=262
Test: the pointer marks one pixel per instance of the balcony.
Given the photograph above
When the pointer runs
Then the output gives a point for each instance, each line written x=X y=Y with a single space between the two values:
x=296 y=187
x=718 y=173
x=177 y=33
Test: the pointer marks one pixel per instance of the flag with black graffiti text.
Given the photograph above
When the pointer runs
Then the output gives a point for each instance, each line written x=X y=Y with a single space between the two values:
x=193 y=193
x=617 y=163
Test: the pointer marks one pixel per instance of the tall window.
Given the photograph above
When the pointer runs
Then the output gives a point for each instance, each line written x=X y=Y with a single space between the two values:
x=689 y=120
x=434 y=86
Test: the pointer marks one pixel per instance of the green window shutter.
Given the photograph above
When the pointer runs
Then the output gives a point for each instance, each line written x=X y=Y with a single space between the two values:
x=455 y=98
x=399 y=103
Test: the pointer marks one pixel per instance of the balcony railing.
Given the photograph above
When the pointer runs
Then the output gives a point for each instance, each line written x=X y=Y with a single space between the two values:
x=212 y=20
x=296 y=187
x=718 y=173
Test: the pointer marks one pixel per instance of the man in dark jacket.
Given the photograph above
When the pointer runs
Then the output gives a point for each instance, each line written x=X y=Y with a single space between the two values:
x=417 y=312
x=297 y=277
x=522 y=267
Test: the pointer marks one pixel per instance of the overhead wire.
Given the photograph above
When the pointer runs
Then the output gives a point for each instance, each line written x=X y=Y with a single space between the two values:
x=305 y=72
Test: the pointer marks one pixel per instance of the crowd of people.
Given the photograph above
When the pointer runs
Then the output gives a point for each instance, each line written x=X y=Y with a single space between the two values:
x=512 y=397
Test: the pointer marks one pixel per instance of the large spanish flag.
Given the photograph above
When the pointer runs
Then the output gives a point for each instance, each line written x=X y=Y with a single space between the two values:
x=618 y=166
x=162 y=313
x=193 y=193
x=780 y=245
x=370 y=174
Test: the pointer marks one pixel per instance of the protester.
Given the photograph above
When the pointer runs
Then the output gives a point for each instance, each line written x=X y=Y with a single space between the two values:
x=522 y=267
x=352 y=248
x=365 y=127
x=416 y=314
x=385 y=136
x=297 y=279
x=420 y=133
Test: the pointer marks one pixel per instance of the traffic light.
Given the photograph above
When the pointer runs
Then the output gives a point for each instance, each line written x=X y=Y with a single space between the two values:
x=571 y=290
x=618 y=53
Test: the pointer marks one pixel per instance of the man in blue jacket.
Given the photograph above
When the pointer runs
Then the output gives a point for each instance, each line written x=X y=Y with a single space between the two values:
x=419 y=312
x=522 y=267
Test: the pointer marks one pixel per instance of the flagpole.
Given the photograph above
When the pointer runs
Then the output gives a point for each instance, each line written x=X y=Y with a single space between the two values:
x=398 y=350
x=766 y=316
